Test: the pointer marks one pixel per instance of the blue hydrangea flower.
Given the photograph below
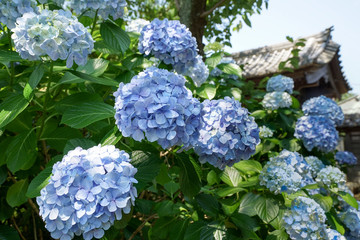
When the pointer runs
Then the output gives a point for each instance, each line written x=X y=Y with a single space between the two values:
x=323 y=106
x=56 y=34
x=227 y=133
x=305 y=220
x=345 y=157
x=87 y=191
x=334 y=235
x=275 y=100
x=265 y=132
x=331 y=177
x=136 y=25
x=11 y=10
x=351 y=219
x=280 y=83
x=216 y=72
x=104 y=8
x=315 y=165
x=171 y=42
x=317 y=132
x=157 y=103
x=199 y=72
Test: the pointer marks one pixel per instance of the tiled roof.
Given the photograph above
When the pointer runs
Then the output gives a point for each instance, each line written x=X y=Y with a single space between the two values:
x=319 y=49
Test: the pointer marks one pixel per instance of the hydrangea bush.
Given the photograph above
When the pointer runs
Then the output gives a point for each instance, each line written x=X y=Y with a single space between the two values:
x=345 y=157
x=107 y=134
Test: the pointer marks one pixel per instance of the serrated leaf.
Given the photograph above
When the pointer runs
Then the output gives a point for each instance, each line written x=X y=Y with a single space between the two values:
x=206 y=91
x=11 y=107
x=247 y=204
x=266 y=209
x=325 y=202
x=194 y=229
x=94 y=67
x=133 y=61
x=171 y=188
x=15 y=195
x=248 y=166
x=116 y=38
x=214 y=59
x=212 y=178
x=38 y=183
x=231 y=176
x=87 y=113
x=112 y=137
x=230 y=68
x=209 y=204
x=229 y=191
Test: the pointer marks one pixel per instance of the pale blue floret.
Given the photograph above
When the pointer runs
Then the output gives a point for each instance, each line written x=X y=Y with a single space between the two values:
x=315 y=165
x=305 y=220
x=323 y=106
x=351 y=219
x=56 y=34
x=345 y=157
x=227 y=133
x=11 y=10
x=199 y=72
x=280 y=83
x=317 y=132
x=171 y=42
x=265 y=132
x=275 y=100
x=334 y=235
x=87 y=191
x=104 y=8
x=157 y=105
x=331 y=177
x=136 y=25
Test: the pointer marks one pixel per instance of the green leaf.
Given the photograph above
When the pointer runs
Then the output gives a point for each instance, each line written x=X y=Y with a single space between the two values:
x=266 y=209
x=247 y=204
x=171 y=188
x=229 y=206
x=76 y=99
x=112 y=137
x=247 y=225
x=229 y=191
x=214 y=59
x=34 y=80
x=295 y=103
x=278 y=222
x=165 y=208
x=94 y=67
x=194 y=229
x=230 y=68
x=190 y=183
x=21 y=152
x=87 y=113
x=178 y=229
x=213 y=231
x=87 y=77
x=208 y=204
x=148 y=166
x=39 y=182
x=15 y=195
x=58 y=138
x=116 y=38
x=291 y=145
x=78 y=142
x=335 y=222
x=231 y=176
x=11 y=107
x=248 y=166
x=133 y=61
x=206 y=91
x=349 y=199
x=9 y=56
x=278 y=235
x=212 y=178
x=259 y=114
x=8 y=233
x=325 y=202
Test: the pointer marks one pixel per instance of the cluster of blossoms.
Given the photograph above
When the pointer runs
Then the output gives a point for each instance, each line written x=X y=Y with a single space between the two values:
x=323 y=106
x=157 y=103
x=280 y=83
x=136 y=25
x=275 y=100
x=56 y=34
x=317 y=132
x=104 y=8
x=287 y=172
x=265 y=132
x=345 y=157
x=351 y=219
x=331 y=177
x=305 y=220
x=227 y=133
x=87 y=191
x=315 y=165
x=11 y=10
x=171 y=42
x=332 y=234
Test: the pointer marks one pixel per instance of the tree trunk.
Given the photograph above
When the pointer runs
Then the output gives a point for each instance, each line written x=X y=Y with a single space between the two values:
x=189 y=12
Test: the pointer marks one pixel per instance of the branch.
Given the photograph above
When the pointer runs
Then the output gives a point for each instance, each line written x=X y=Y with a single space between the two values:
x=208 y=12
x=33 y=206
x=142 y=225
x=17 y=229
x=177 y=5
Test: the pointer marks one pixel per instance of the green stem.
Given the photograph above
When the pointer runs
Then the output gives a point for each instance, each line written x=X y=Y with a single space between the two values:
x=94 y=23
x=12 y=66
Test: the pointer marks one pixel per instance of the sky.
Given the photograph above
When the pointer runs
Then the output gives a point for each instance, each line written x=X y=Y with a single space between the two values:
x=301 y=18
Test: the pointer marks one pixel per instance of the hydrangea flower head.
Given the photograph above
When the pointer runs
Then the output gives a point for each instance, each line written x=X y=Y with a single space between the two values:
x=315 y=164
x=136 y=25
x=199 y=72
x=11 y=10
x=275 y=100
x=265 y=132
x=87 y=191
x=157 y=104
x=104 y=8
x=317 y=132
x=280 y=83
x=227 y=133
x=331 y=177
x=334 y=235
x=171 y=42
x=351 y=219
x=323 y=106
x=305 y=220
x=56 y=34
x=345 y=157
